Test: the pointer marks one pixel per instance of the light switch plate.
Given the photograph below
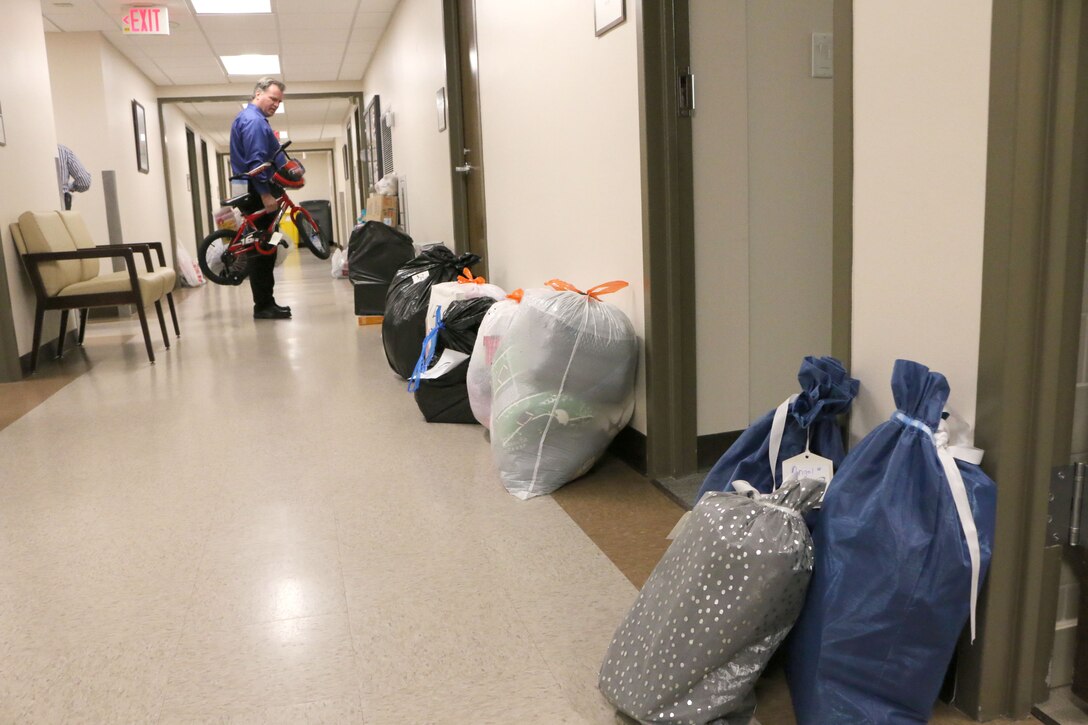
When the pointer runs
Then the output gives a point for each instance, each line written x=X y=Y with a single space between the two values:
x=822 y=55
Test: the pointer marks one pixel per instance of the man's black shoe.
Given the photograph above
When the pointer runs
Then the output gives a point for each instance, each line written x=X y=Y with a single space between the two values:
x=282 y=308
x=271 y=313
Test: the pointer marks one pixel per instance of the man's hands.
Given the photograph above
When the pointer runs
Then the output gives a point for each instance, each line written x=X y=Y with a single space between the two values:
x=270 y=203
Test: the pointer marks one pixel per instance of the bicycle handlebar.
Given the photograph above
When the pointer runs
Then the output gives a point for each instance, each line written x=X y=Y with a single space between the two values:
x=254 y=171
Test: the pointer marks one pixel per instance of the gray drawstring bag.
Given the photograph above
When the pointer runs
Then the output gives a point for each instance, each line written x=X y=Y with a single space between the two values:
x=715 y=608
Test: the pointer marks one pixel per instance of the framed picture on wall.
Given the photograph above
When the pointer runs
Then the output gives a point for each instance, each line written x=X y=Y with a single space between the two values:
x=139 y=124
x=607 y=14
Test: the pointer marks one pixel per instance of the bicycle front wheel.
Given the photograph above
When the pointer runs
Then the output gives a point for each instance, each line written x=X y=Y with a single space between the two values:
x=219 y=262
x=311 y=235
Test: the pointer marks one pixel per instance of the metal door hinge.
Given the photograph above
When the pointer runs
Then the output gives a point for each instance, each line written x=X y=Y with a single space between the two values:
x=1066 y=514
x=686 y=94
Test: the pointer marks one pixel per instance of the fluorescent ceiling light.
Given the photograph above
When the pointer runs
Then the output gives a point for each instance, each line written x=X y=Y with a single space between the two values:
x=251 y=65
x=231 y=7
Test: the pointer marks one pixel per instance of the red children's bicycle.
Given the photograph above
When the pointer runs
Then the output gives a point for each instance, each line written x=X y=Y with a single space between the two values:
x=225 y=255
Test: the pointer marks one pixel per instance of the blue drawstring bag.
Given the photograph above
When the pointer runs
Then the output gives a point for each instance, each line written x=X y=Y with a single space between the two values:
x=803 y=422
x=902 y=547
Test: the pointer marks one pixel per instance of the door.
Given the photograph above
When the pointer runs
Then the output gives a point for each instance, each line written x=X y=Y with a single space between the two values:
x=762 y=162
x=192 y=180
x=207 y=183
x=465 y=129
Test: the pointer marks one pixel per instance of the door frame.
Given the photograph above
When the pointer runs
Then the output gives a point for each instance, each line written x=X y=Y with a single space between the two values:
x=1033 y=270
x=668 y=227
x=193 y=154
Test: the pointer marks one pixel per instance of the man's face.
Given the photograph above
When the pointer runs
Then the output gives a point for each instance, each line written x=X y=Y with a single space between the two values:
x=268 y=100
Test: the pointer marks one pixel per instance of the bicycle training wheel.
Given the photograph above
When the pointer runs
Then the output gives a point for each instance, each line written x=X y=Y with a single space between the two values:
x=218 y=262
x=312 y=236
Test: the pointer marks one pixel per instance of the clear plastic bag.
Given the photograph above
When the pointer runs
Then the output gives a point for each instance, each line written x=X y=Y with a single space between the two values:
x=564 y=386
x=492 y=330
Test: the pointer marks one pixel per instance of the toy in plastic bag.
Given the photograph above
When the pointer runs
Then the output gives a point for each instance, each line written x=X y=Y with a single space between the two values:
x=403 y=327
x=804 y=422
x=465 y=287
x=188 y=269
x=902 y=548
x=438 y=380
x=492 y=330
x=715 y=608
x=564 y=386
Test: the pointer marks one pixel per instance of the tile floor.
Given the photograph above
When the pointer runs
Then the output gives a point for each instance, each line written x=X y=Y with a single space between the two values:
x=260 y=528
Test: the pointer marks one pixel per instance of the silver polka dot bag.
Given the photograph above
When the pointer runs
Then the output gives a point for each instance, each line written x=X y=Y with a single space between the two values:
x=715 y=608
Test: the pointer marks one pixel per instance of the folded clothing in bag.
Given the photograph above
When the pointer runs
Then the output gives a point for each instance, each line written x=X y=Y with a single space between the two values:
x=478 y=380
x=403 y=327
x=715 y=608
x=375 y=253
x=443 y=398
x=902 y=548
x=564 y=386
x=807 y=419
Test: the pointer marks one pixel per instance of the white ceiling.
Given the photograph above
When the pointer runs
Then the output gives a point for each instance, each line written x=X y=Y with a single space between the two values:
x=316 y=40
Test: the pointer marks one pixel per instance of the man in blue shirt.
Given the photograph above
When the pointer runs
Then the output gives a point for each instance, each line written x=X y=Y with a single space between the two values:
x=73 y=175
x=252 y=142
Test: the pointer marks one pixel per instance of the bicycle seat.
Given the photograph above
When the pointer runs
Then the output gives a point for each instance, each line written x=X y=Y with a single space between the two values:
x=247 y=203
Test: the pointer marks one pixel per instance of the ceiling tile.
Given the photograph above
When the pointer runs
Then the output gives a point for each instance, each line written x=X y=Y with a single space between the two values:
x=239 y=26
x=327 y=36
x=295 y=7
x=194 y=77
x=290 y=22
x=372 y=20
x=366 y=35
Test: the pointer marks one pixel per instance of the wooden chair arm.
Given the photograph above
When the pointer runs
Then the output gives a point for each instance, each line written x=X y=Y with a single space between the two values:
x=141 y=247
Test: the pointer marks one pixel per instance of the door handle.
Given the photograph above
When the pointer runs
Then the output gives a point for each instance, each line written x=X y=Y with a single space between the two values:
x=463 y=169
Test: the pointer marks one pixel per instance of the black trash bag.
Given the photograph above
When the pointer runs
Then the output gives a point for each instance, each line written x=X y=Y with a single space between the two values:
x=375 y=253
x=445 y=399
x=403 y=328
x=461 y=322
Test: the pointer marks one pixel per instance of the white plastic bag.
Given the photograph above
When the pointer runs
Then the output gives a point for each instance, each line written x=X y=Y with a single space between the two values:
x=387 y=185
x=188 y=270
x=564 y=385
x=339 y=263
x=493 y=328
x=466 y=287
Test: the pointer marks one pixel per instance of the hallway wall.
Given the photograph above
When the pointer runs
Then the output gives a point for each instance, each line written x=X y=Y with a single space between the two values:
x=29 y=181
x=920 y=133
x=560 y=111
x=408 y=68
x=93 y=87
x=177 y=147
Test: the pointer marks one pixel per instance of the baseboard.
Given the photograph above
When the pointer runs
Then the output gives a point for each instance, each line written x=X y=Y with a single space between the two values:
x=709 y=448
x=630 y=447
x=48 y=350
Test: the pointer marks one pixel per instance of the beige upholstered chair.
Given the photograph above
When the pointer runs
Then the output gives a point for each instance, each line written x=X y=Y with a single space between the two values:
x=62 y=261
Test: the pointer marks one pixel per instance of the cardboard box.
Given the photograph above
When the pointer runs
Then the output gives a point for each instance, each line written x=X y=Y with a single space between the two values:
x=382 y=209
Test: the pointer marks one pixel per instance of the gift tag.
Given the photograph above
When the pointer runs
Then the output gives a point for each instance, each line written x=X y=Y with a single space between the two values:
x=448 y=361
x=808 y=465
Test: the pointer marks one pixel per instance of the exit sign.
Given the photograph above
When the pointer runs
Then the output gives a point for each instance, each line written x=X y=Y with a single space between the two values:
x=146 y=21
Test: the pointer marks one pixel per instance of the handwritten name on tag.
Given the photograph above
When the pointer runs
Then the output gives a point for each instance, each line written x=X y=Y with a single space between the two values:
x=808 y=465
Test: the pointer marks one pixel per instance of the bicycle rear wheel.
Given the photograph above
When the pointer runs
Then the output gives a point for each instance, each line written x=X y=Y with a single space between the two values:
x=311 y=235
x=218 y=262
